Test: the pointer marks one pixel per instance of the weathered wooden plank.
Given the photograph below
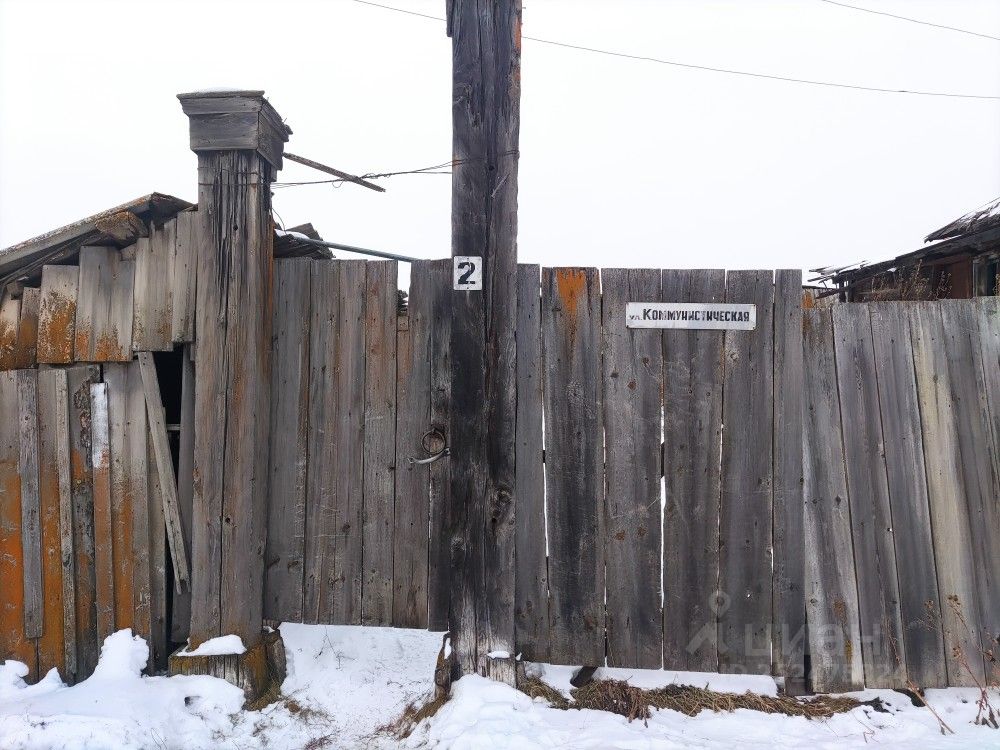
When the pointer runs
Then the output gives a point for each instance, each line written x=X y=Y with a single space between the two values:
x=136 y=485
x=158 y=640
x=51 y=644
x=26 y=346
x=31 y=532
x=922 y=645
x=574 y=463
x=78 y=381
x=531 y=595
x=349 y=440
x=57 y=314
x=64 y=469
x=152 y=321
x=788 y=603
x=692 y=444
x=988 y=313
x=115 y=376
x=103 y=539
x=210 y=407
x=13 y=643
x=830 y=586
x=165 y=470
x=180 y=613
x=336 y=437
x=745 y=516
x=953 y=540
x=975 y=444
x=413 y=413
x=632 y=377
x=380 y=441
x=184 y=268
x=439 y=473
x=103 y=329
x=246 y=348
x=320 y=519
x=10 y=314
x=867 y=486
x=283 y=578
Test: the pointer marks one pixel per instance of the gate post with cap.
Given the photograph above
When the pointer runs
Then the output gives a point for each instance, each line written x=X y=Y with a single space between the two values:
x=239 y=138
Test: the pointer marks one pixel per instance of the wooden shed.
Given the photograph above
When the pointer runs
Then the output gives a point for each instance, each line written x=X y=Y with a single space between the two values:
x=97 y=350
x=962 y=261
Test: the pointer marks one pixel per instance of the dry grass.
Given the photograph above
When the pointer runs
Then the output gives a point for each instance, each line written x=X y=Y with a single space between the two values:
x=535 y=688
x=635 y=703
x=403 y=726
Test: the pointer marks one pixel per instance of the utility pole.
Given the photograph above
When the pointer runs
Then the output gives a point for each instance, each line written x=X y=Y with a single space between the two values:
x=486 y=79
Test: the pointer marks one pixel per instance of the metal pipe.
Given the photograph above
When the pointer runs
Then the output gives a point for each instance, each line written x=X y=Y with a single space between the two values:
x=361 y=250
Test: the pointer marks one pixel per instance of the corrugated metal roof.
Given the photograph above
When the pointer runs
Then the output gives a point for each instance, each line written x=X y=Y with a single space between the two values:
x=984 y=217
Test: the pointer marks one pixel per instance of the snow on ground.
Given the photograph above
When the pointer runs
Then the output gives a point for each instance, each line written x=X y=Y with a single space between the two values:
x=484 y=714
x=345 y=682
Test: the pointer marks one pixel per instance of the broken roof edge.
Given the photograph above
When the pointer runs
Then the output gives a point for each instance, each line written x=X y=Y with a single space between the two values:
x=971 y=243
x=146 y=207
x=984 y=217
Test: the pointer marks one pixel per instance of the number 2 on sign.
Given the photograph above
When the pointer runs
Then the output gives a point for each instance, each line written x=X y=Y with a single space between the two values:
x=468 y=272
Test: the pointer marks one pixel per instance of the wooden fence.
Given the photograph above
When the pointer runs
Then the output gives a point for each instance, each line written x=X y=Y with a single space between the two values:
x=684 y=498
x=902 y=492
x=82 y=543
x=356 y=531
x=660 y=513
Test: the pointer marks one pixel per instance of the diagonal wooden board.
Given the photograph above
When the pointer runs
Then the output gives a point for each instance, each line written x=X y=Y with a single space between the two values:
x=165 y=470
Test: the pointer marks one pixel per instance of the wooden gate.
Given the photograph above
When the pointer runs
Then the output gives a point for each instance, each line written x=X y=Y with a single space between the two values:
x=684 y=497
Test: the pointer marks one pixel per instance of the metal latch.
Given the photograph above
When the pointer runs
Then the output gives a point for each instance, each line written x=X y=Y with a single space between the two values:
x=434 y=443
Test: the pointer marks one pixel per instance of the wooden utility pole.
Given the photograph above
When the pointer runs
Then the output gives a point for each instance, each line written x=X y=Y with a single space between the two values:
x=486 y=79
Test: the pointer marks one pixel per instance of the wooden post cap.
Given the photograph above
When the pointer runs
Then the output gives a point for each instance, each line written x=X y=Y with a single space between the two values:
x=226 y=120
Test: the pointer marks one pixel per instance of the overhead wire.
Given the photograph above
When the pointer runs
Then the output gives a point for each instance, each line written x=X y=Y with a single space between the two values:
x=336 y=182
x=708 y=68
x=912 y=20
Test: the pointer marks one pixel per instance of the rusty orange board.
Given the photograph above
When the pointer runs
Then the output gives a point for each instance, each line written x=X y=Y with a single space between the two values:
x=13 y=644
x=57 y=314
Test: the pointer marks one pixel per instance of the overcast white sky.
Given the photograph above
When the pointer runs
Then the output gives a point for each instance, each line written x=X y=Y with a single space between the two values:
x=623 y=163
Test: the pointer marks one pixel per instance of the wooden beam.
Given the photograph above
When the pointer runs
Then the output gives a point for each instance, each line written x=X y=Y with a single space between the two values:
x=232 y=388
x=335 y=172
x=165 y=471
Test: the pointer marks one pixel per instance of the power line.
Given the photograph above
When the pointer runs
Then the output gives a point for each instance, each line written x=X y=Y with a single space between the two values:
x=432 y=169
x=912 y=20
x=708 y=68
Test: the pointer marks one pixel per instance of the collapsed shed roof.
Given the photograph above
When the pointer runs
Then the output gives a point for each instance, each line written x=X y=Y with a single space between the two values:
x=971 y=234
x=121 y=226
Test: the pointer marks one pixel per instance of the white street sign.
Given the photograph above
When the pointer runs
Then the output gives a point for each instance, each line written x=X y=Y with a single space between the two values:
x=705 y=315
x=468 y=272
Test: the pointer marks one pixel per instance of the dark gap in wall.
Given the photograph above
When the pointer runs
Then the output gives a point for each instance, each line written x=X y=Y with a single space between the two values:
x=169 y=373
